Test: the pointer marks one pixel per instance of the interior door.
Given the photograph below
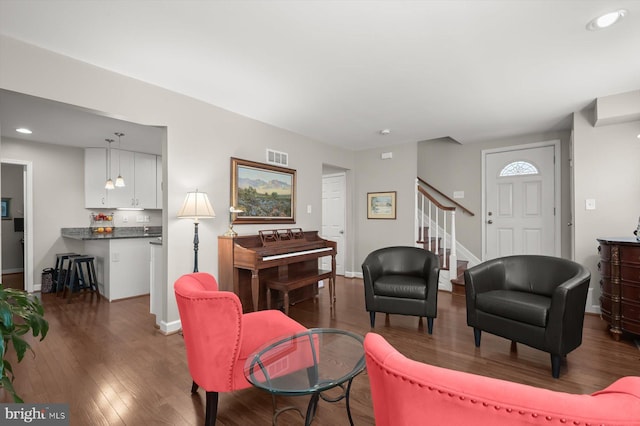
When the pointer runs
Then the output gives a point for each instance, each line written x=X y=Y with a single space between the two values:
x=333 y=216
x=520 y=202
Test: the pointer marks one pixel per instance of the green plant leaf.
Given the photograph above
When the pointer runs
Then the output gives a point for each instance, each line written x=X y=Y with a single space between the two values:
x=20 y=313
x=20 y=345
x=6 y=313
x=6 y=383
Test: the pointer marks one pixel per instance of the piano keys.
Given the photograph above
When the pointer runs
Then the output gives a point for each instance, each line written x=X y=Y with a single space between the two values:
x=246 y=263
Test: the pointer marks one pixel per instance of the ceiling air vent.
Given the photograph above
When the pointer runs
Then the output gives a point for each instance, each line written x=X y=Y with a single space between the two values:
x=277 y=157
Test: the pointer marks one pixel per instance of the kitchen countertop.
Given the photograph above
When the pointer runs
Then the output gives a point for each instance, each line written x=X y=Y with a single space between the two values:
x=118 y=233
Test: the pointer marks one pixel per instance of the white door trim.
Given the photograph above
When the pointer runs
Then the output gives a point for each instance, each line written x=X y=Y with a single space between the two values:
x=28 y=220
x=557 y=188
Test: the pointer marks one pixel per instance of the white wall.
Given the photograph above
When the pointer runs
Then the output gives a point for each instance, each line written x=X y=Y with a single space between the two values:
x=12 y=187
x=376 y=175
x=607 y=169
x=58 y=196
x=200 y=140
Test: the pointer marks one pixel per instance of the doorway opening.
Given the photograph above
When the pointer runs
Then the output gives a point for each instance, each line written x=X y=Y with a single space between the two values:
x=17 y=240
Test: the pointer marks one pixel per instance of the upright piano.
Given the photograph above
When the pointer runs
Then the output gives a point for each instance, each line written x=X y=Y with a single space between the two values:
x=246 y=263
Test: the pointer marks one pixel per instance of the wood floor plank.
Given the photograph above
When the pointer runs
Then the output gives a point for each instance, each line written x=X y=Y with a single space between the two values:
x=109 y=362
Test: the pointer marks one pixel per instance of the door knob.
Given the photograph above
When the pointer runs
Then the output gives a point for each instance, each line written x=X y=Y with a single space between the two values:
x=489 y=222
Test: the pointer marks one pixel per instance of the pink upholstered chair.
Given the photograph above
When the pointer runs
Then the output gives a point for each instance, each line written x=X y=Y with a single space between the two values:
x=218 y=337
x=407 y=392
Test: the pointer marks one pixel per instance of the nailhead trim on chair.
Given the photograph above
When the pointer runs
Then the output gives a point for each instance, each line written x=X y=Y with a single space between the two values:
x=474 y=401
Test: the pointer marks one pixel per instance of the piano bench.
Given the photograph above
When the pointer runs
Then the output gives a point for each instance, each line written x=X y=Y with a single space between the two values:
x=286 y=284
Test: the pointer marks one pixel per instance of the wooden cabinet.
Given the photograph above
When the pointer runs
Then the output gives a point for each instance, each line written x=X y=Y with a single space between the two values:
x=140 y=174
x=95 y=176
x=619 y=268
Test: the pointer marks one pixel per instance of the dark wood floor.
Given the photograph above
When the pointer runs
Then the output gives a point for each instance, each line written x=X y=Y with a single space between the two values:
x=113 y=367
x=13 y=280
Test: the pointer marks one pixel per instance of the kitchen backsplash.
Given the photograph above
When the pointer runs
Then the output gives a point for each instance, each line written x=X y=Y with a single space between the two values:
x=129 y=218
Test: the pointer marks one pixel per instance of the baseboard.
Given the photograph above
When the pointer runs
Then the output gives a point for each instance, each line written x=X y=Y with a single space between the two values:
x=353 y=274
x=12 y=271
x=591 y=307
x=444 y=281
x=170 y=327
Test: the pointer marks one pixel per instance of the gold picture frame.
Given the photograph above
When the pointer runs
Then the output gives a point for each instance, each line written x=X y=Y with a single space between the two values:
x=265 y=193
x=381 y=205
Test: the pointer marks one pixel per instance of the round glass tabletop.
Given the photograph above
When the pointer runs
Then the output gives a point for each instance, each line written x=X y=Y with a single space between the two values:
x=306 y=363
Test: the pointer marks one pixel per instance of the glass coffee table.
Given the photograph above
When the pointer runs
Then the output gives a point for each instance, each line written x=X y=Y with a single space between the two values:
x=308 y=363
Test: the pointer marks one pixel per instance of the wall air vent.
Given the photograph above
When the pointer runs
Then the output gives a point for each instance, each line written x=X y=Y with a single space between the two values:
x=277 y=157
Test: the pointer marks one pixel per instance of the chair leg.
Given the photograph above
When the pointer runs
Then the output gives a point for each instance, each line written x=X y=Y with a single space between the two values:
x=477 y=333
x=194 y=387
x=372 y=318
x=430 y=325
x=555 y=365
x=212 y=409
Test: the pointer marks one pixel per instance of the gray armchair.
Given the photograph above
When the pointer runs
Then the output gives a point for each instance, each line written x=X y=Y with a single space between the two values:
x=535 y=300
x=401 y=280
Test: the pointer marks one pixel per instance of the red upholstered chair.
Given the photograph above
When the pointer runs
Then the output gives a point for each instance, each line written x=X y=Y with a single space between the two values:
x=218 y=337
x=409 y=393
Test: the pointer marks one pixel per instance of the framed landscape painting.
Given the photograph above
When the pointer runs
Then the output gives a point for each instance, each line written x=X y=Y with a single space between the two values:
x=264 y=193
x=381 y=205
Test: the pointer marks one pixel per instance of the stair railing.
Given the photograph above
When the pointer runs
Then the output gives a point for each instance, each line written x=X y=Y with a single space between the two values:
x=437 y=218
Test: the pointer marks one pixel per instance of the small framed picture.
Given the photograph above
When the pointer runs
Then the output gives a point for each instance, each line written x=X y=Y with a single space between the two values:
x=381 y=205
x=6 y=208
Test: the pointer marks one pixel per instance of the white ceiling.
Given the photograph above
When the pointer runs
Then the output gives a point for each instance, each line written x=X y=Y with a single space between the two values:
x=340 y=71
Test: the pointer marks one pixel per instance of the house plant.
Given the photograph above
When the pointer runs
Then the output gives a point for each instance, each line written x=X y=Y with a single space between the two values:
x=20 y=312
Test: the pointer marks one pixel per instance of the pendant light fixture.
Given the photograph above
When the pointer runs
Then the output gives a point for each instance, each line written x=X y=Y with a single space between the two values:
x=109 y=183
x=119 y=179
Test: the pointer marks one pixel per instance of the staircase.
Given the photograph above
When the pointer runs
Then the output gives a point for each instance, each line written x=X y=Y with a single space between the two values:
x=436 y=231
x=435 y=245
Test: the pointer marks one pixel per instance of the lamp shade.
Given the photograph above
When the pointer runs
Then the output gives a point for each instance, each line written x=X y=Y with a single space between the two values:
x=196 y=206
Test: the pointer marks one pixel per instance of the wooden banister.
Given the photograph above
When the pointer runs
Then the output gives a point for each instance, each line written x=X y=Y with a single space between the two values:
x=434 y=201
x=423 y=192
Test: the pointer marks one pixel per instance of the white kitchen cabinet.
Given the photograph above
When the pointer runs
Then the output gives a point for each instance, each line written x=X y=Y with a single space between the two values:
x=156 y=281
x=122 y=162
x=145 y=180
x=95 y=176
x=122 y=266
x=159 y=183
x=140 y=175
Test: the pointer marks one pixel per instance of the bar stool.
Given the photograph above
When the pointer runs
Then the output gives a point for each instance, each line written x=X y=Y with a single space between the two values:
x=60 y=271
x=82 y=276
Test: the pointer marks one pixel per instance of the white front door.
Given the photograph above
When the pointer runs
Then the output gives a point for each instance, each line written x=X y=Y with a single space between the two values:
x=333 y=216
x=520 y=202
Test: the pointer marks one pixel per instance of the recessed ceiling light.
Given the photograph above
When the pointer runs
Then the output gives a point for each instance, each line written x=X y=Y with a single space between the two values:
x=606 y=20
x=24 y=130
x=385 y=132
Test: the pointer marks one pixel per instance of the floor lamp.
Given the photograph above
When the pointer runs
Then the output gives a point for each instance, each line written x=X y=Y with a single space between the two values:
x=196 y=206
